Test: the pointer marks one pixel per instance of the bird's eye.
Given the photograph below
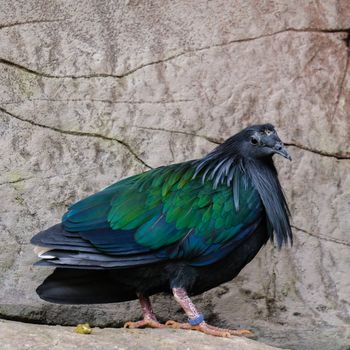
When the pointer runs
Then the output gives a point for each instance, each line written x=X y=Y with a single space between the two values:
x=253 y=141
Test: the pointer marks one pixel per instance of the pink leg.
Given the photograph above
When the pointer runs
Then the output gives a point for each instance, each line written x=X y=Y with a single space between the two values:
x=149 y=318
x=196 y=320
x=146 y=307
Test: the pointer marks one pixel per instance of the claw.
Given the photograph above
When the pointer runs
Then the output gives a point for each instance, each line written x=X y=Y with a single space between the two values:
x=144 y=324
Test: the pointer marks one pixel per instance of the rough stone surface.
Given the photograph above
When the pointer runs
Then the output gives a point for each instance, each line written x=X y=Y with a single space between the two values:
x=16 y=335
x=92 y=91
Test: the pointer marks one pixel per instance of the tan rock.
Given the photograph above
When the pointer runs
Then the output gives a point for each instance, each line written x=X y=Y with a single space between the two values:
x=91 y=92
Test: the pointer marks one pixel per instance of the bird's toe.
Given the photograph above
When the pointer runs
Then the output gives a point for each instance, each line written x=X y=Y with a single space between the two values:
x=208 y=329
x=144 y=324
x=177 y=325
x=241 y=332
x=237 y=332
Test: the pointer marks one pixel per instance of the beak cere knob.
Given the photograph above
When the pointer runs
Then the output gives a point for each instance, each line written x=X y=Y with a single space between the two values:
x=279 y=148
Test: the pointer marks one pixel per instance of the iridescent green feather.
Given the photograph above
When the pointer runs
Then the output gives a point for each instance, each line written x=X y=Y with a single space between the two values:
x=167 y=205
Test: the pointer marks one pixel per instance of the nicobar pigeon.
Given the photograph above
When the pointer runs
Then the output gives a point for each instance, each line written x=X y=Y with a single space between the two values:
x=183 y=229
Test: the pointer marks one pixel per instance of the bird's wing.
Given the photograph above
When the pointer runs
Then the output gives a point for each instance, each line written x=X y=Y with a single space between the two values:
x=164 y=214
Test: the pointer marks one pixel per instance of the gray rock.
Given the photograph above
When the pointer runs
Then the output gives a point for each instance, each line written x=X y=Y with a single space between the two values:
x=17 y=335
x=91 y=92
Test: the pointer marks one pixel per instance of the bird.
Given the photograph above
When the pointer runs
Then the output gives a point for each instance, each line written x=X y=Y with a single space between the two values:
x=180 y=229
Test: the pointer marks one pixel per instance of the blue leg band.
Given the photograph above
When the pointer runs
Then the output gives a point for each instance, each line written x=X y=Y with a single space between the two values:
x=195 y=321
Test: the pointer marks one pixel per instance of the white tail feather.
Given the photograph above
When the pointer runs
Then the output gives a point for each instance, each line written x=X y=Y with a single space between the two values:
x=40 y=251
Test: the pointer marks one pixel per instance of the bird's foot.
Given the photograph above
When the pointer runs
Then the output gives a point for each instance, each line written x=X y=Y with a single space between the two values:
x=207 y=329
x=232 y=331
x=145 y=323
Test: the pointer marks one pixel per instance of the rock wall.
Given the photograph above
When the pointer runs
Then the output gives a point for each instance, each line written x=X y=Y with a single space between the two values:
x=92 y=91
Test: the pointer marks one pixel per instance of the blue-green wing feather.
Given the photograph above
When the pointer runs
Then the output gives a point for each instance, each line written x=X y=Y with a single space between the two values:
x=170 y=214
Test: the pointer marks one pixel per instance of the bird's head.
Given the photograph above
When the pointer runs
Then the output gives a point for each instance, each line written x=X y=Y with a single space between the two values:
x=260 y=141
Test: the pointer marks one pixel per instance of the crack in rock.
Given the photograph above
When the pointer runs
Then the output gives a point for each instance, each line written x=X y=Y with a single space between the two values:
x=44 y=177
x=210 y=139
x=97 y=100
x=33 y=177
x=323 y=237
x=341 y=86
x=35 y=21
x=15 y=181
x=338 y=156
x=216 y=141
x=171 y=57
x=78 y=133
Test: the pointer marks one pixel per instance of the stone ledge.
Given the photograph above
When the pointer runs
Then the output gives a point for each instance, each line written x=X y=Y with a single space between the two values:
x=17 y=335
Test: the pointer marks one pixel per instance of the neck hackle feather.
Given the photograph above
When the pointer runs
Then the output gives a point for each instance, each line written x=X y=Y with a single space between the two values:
x=226 y=165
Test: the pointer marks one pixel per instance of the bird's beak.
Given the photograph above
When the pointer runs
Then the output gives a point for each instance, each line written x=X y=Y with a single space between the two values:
x=280 y=149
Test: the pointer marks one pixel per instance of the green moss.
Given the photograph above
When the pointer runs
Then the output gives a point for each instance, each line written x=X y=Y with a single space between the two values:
x=27 y=83
x=14 y=177
x=16 y=180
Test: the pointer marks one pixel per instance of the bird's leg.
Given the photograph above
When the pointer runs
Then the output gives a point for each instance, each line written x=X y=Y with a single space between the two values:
x=196 y=320
x=149 y=318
